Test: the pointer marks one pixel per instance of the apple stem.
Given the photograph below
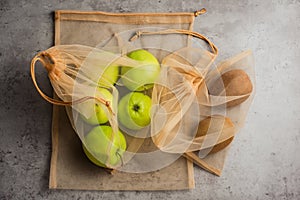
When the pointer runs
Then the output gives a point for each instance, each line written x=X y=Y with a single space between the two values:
x=122 y=162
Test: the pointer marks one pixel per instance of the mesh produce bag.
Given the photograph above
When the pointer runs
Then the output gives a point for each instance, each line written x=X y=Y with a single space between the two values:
x=195 y=104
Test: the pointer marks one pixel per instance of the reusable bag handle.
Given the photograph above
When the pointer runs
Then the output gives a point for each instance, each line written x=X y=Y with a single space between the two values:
x=213 y=47
x=49 y=63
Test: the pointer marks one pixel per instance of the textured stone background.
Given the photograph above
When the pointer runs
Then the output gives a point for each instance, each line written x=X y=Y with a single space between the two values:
x=263 y=162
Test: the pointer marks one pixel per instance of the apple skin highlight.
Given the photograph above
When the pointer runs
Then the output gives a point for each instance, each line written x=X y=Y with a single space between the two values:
x=134 y=110
x=109 y=76
x=142 y=77
x=96 y=145
x=98 y=115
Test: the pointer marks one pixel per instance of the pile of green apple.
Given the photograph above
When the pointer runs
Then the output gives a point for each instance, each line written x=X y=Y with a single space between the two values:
x=133 y=108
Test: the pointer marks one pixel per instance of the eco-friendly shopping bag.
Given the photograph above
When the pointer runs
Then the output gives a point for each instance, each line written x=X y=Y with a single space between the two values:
x=92 y=28
x=196 y=106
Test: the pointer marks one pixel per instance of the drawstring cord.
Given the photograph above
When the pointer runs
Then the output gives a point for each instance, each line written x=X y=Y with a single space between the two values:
x=176 y=31
x=49 y=63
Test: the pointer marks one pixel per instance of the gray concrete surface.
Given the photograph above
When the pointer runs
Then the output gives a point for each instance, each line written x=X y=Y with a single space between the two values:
x=263 y=162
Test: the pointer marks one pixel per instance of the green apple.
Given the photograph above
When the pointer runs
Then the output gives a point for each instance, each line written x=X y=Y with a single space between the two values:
x=98 y=115
x=98 y=141
x=142 y=77
x=109 y=76
x=134 y=110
